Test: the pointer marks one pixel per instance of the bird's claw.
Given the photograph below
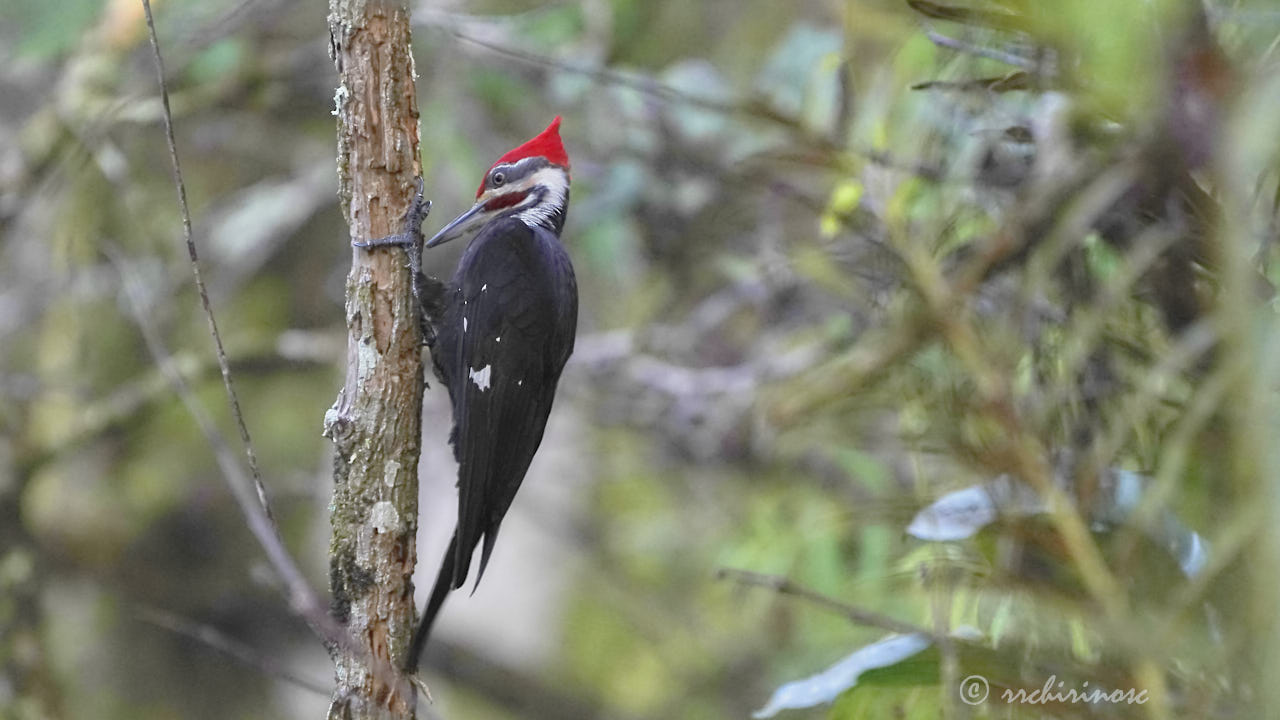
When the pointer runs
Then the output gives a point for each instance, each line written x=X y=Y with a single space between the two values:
x=410 y=239
x=397 y=240
x=409 y=236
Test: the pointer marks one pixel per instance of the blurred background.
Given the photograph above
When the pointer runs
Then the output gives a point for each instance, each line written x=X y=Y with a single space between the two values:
x=947 y=320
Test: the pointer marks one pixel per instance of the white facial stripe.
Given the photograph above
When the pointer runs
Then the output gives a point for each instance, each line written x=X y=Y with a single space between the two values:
x=556 y=182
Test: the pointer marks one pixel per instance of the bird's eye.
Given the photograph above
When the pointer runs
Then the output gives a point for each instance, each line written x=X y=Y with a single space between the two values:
x=498 y=179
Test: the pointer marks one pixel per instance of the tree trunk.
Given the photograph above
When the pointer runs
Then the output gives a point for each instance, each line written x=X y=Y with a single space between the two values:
x=376 y=421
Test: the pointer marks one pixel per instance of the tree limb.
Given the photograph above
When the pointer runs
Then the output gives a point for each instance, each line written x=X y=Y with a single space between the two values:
x=856 y=615
x=375 y=423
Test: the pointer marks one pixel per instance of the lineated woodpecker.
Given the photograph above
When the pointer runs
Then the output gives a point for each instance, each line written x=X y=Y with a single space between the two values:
x=508 y=325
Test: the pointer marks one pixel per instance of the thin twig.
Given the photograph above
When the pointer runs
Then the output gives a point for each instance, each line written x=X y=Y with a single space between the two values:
x=1027 y=452
x=824 y=149
x=607 y=76
x=303 y=601
x=639 y=83
x=302 y=598
x=838 y=378
x=291 y=350
x=258 y=515
x=1001 y=56
x=185 y=210
x=227 y=645
x=997 y=401
x=784 y=586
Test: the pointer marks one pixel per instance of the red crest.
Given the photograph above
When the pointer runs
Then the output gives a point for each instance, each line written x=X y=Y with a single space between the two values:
x=545 y=144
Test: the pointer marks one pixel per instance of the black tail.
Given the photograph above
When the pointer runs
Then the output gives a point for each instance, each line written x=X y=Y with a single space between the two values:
x=444 y=584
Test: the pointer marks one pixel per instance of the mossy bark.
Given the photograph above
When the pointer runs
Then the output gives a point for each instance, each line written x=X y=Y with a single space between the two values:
x=376 y=422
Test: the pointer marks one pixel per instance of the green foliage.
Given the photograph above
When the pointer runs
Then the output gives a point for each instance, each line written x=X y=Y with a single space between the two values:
x=48 y=29
x=876 y=701
x=219 y=60
x=799 y=77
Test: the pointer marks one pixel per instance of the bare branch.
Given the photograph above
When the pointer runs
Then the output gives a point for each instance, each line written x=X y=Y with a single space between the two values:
x=784 y=586
x=185 y=210
x=1007 y=58
x=228 y=645
x=303 y=601
x=302 y=598
x=646 y=85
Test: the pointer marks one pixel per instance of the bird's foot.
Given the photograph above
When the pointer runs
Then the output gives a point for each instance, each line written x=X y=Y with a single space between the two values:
x=410 y=235
x=404 y=240
x=410 y=238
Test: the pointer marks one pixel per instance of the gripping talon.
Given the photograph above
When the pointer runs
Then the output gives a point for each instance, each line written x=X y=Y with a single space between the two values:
x=411 y=225
x=403 y=240
x=425 y=291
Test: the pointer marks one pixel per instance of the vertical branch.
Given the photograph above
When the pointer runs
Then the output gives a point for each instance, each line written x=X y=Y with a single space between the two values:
x=376 y=422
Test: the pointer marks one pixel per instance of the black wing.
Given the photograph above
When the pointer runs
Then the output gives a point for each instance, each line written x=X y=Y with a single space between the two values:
x=509 y=329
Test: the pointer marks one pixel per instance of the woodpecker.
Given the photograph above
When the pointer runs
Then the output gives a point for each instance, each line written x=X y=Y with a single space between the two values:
x=509 y=319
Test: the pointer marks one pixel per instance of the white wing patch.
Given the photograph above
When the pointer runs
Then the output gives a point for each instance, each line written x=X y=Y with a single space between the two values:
x=464 y=324
x=480 y=377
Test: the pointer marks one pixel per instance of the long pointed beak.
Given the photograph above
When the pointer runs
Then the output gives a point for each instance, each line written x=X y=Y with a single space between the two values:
x=458 y=227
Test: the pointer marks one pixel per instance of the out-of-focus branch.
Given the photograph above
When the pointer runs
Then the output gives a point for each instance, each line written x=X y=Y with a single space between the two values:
x=1007 y=58
x=257 y=512
x=303 y=601
x=967 y=15
x=290 y=351
x=701 y=410
x=616 y=355
x=837 y=378
x=1026 y=454
x=194 y=257
x=220 y=641
x=746 y=107
x=520 y=693
x=784 y=586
